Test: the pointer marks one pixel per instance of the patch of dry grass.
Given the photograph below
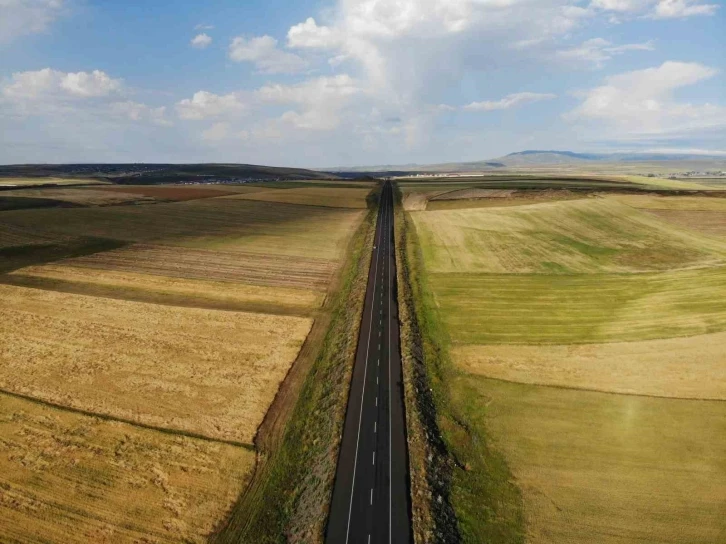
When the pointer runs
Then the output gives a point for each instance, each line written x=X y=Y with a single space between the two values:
x=343 y=197
x=184 y=290
x=208 y=372
x=683 y=203
x=71 y=478
x=214 y=223
x=201 y=264
x=26 y=182
x=91 y=197
x=576 y=236
x=692 y=367
x=611 y=469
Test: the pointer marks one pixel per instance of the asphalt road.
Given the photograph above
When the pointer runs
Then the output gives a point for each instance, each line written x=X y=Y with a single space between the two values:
x=371 y=502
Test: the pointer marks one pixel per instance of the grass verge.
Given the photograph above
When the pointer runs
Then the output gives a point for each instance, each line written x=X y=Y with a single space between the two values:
x=289 y=497
x=469 y=488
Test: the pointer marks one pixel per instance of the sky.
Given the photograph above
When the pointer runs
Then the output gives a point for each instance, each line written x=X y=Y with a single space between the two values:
x=330 y=83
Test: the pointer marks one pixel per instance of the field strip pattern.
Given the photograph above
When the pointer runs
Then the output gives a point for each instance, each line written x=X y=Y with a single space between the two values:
x=690 y=367
x=541 y=309
x=203 y=264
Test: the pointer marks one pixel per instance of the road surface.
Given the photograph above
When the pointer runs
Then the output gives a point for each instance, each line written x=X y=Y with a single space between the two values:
x=371 y=502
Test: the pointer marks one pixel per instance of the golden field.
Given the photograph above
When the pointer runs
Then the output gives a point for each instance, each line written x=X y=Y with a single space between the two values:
x=209 y=372
x=198 y=292
x=313 y=196
x=71 y=478
x=689 y=367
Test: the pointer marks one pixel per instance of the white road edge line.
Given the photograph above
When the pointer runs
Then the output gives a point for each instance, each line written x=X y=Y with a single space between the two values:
x=363 y=394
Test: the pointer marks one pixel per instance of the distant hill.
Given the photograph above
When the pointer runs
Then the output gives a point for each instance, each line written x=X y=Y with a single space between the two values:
x=148 y=174
x=537 y=157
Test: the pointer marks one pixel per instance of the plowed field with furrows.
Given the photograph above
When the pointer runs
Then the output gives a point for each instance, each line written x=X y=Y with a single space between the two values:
x=192 y=263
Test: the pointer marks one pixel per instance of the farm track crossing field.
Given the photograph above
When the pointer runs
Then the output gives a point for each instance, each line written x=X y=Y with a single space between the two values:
x=593 y=235
x=561 y=309
x=313 y=196
x=215 y=223
x=208 y=372
x=71 y=478
x=611 y=469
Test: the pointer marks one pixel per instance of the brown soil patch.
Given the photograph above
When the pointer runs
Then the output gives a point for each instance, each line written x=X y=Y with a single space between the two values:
x=705 y=221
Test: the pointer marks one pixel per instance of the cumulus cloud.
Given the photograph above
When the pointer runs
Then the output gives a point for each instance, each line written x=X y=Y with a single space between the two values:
x=509 y=101
x=263 y=52
x=659 y=9
x=319 y=100
x=47 y=82
x=206 y=105
x=136 y=111
x=669 y=9
x=23 y=17
x=597 y=51
x=201 y=41
x=642 y=102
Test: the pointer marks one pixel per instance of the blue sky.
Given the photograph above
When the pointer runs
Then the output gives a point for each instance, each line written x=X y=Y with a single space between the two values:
x=356 y=82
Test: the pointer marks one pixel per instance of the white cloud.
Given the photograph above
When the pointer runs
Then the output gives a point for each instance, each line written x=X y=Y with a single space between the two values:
x=669 y=9
x=201 y=41
x=266 y=56
x=136 y=111
x=23 y=17
x=206 y=105
x=509 y=101
x=309 y=34
x=641 y=102
x=202 y=26
x=47 y=82
x=598 y=50
x=658 y=9
x=320 y=100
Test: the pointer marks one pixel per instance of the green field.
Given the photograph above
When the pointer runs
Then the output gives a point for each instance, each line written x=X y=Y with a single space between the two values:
x=575 y=297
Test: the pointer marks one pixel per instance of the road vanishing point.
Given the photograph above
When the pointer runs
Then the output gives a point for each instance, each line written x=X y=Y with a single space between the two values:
x=371 y=502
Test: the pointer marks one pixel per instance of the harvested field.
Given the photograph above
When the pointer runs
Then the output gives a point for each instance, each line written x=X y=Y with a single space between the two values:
x=16 y=236
x=208 y=372
x=171 y=192
x=683 y=203
x=215 y=223
x=88 y=197
x=597 y=467
x=70 y=478
x=203 y=264
x=540 y=309
x=27 y=182
x=706 y=222
x=417 y=200
x=593 y=235
x=201 y=293
x=343 y=197
x=475 y=193
x=693 y=367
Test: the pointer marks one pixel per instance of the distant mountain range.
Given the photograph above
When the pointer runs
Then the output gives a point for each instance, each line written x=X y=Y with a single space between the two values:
x=535 y=158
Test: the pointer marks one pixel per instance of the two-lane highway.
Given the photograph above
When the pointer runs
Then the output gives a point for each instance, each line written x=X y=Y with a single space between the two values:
x=371 y=503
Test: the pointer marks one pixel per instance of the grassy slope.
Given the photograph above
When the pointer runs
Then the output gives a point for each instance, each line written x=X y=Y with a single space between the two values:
x=616 y=468
x=289 y=498
x=475 y=477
